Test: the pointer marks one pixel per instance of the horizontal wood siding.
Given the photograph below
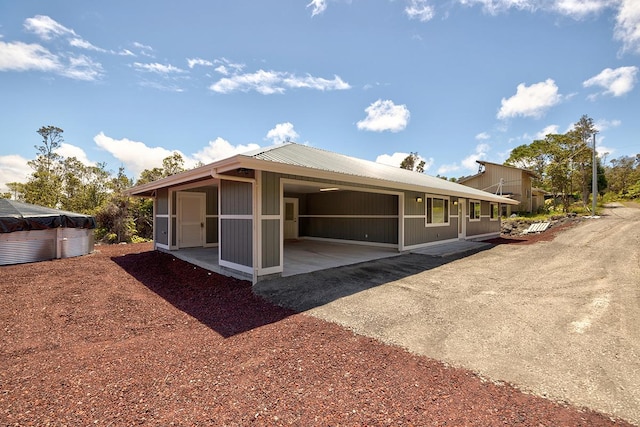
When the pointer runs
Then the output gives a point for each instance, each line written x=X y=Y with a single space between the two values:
x=270 y=243
x=236 y=241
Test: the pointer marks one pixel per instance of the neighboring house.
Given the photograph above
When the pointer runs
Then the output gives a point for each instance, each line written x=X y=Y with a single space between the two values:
x=249 y=204
x=507 y=181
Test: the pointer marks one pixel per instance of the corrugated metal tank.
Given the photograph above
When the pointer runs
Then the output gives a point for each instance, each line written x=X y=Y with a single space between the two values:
x=41 y=245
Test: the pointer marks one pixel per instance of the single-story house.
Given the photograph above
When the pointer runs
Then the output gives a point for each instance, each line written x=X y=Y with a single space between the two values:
x=249 y=204
x=508 y=181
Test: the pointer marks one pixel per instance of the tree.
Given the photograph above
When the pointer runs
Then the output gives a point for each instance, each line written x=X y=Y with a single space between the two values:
x=582 y=155
x=409 y=163
x=45 y=184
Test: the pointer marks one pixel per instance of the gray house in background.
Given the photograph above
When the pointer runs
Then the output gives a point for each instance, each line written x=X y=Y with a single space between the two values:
x=249 y=204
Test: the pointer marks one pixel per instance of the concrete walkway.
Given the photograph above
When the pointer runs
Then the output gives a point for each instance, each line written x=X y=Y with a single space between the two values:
x=307 y=256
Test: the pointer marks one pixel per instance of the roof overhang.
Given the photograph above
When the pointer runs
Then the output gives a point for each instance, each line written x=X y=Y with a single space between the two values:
x=230 y=165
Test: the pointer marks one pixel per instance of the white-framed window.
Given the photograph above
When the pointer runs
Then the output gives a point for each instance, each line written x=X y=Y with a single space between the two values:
x=474 y=210
x=495 y=211
x=436 y=210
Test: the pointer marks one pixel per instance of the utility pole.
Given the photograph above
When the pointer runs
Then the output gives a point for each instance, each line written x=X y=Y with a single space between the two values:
x=594 y=178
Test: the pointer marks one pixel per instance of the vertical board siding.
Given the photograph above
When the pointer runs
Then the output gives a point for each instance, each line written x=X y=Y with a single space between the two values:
x=415 y=232
x=377 y=230
x=351 y=203
x=270 y=193
x=162 y=231
x=270 y=243
x=236 y=234
x=237 y=241
x=162 y=201
x=485 y=225
x=236 y=198
x=411 y=206
x=212 y=230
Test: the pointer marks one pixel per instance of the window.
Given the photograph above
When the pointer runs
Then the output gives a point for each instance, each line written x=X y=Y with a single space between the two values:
x=474 y=211
x=437 y=210
x=495 y=212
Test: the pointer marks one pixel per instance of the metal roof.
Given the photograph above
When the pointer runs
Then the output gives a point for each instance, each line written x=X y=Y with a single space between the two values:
x=303 y=160
x=314 y=158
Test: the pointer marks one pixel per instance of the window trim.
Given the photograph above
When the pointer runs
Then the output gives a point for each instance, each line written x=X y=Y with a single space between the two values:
x=428 y=214
x=472 y=217
x=493 y=217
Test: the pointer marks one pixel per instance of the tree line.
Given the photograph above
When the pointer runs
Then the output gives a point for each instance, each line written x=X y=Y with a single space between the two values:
x=562 y=162
x=68 y=184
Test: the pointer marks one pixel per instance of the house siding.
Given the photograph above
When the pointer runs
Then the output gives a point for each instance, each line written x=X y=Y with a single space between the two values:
x=270 y=243
x=485 y=225
x=236 y=231
x=349 y=215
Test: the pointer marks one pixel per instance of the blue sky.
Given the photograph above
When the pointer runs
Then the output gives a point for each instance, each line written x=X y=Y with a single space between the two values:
x=455 y=81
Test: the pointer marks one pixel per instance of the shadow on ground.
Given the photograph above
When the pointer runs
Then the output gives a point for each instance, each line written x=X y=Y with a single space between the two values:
x=307 y=291
x=225 y=304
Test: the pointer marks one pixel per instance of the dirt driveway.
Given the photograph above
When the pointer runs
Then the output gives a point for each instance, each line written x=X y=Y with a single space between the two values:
x=559 y=319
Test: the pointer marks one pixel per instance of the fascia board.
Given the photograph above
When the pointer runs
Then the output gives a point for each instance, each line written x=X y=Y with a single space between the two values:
x=269 y=166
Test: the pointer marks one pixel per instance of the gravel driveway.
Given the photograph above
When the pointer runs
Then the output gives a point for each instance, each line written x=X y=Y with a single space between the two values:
x=559 y=319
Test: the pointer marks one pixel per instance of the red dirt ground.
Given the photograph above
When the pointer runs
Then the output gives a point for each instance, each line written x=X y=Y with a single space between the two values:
x=130 y=336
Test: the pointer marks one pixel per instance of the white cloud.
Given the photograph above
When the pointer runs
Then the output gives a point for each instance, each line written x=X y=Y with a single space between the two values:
x=547 y=130
x=13 y=168
x=383 y=116
x=482 y=136
x=396 y=159
x=144 y=49
x=420 y=10
x=530 y=101
x=68 y=150
x=271 y=82
x=157 y=68
x=220 y=149
x=627 y=28
x=82 y=68
x=615 y=82
x=18 y=56
x=317 y=83
x=579 y=9
x=494 y=7
x=317 y=7
x=468 y=163
x=47 y=28
x=192 y=62
x=481 y=152
x=136 y=156
x=603 y=124
x=281 y=133
x=446 y=169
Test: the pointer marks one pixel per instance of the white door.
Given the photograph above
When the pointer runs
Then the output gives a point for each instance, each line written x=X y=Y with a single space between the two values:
x=290 y=218
x=462 y=218
x=191 y=214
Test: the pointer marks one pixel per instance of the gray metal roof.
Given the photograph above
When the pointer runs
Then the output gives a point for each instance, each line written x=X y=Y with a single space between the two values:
x=314 y=158
x=323 y=164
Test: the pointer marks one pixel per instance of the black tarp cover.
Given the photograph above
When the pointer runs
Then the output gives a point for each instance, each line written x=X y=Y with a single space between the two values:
x=19 y=216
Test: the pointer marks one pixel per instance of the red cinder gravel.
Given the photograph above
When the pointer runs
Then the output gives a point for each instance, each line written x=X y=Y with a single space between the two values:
x=129 y=336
